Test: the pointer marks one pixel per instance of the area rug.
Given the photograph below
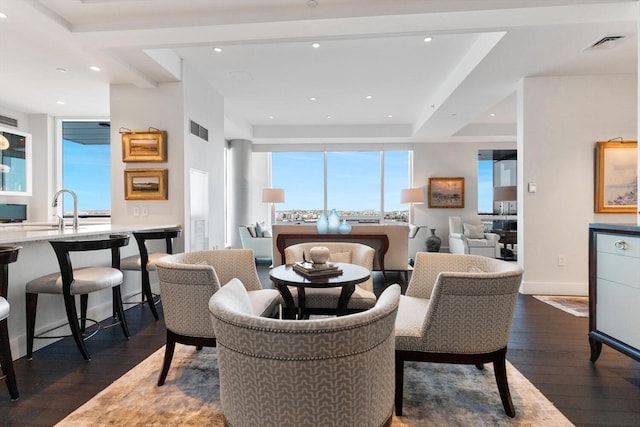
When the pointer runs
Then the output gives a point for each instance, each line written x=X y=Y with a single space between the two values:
x=576 y=305
x=435 y=395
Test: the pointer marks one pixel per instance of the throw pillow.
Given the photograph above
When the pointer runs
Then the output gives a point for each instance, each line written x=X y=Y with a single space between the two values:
x=267 y=233
x=340 y=257
x=474 y=231
x=252 y=230
x=260 y=227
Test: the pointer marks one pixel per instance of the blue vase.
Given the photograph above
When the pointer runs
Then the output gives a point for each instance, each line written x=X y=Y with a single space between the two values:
x=323 y=224
x=334 y=222
x=345 y=227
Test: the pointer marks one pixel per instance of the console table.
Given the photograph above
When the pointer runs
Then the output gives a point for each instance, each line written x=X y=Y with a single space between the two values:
x=379 y=242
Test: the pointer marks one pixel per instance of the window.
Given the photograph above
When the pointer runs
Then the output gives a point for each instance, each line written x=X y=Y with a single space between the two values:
x=363 y=186
x=86 y=167
x=496 y=168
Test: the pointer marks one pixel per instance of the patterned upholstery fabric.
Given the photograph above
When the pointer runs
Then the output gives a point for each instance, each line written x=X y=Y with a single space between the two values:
x=458 y=304
x=363 y=296
x=333 y=371
x=188 y=280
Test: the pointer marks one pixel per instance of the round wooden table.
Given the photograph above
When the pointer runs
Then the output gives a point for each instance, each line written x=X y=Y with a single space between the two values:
x=284 y=276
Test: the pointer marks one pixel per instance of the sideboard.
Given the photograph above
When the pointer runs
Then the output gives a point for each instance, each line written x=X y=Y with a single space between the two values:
x=614 y=289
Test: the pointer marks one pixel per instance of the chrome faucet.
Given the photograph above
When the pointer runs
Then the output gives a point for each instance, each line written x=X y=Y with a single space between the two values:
x=75 y=205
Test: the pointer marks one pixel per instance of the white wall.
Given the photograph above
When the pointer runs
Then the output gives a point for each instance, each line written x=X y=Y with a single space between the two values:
x=560 y=119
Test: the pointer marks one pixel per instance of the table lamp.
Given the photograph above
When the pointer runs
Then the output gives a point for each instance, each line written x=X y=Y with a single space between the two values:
x=412 y=196
x=273 y=196
x=505 y=194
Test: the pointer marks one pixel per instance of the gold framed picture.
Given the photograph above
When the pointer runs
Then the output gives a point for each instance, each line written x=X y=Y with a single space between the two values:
x=446 y=192
x=144 y=146
x=616 y=177
x=145 y=184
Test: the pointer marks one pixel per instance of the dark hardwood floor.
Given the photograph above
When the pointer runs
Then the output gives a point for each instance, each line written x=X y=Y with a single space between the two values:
x=548 y=346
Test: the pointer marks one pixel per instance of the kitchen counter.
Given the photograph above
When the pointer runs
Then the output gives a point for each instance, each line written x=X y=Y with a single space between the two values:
x=37 y=258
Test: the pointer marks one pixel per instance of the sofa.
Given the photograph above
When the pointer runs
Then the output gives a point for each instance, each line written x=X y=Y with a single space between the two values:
x=261 y=245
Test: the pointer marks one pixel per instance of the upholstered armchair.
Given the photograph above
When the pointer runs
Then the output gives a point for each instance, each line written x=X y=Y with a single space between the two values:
x=334 y=371
x=188 y=280
x=417 y=240
x=326 y=300
x=261 y=246
x=457 y=309
x=470 y=238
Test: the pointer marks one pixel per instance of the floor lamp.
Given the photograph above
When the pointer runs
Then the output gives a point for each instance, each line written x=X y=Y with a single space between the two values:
x=412 y=196
x=273 y=196
x=505 y=194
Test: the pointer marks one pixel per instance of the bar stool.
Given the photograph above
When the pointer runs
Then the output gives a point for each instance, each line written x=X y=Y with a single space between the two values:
x=80 y=281
x=8 y=254
x=146 y=262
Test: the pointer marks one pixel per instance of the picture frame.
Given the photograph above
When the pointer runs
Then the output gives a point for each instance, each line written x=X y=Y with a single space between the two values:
x=146 y=184
x=616 y=177
x=447 y=193
x=144 y=146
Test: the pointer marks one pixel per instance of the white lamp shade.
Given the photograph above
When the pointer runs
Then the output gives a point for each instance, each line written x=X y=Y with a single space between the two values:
x=273 y=195
x=505 y=194
x=412 y=195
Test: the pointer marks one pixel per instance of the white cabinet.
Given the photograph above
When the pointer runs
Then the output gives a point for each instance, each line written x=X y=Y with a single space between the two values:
x=614 y=289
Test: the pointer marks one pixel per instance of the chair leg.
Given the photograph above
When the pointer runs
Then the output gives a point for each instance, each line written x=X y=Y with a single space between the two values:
x=7 y=360
x=168 y=356
x=31 y=305
x=72 y=318
x=146 y=290
x=399 y=384
x=119 y=308
x=500 y=369
x=84 y=302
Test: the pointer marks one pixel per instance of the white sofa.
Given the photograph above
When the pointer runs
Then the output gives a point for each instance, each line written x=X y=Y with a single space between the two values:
x=261 y=245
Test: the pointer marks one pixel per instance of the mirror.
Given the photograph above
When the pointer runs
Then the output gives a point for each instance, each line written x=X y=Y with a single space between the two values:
x=15 y=162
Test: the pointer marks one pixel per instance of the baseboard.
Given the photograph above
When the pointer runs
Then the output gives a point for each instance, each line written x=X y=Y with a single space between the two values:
x=554 y=288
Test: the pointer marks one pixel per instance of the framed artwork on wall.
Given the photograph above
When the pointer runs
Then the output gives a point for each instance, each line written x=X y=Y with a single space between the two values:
x=144 y=146
x=446 y=192
x=145 y=184
x=616 y=177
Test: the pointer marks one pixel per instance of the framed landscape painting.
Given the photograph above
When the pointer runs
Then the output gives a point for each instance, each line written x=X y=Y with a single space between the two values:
x=446 y=192
x=144 y=146
x=145 y=184
x=616 y=177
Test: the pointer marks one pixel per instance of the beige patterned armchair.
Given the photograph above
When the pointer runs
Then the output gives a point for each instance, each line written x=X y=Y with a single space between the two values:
x=188 y=280
x=326 y=300
x=333 y=372
x=457 y=309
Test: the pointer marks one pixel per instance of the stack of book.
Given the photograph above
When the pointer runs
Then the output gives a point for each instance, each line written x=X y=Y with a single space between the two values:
x=312 y=271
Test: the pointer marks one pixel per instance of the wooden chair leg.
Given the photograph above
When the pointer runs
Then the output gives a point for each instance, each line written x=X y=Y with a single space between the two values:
x=7 y=360
x=168 y=356
x=146 y=290
x=31 y=305
x=399 y=384
x=500 y=369
x=119 y=308
x=72 y=318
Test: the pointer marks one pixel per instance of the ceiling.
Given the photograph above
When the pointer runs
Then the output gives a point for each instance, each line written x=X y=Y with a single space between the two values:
x=458 y=87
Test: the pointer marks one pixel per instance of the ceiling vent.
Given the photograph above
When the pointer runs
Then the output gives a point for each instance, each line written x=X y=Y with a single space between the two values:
x=9 y=121
x=606 y=42
x=199 y=131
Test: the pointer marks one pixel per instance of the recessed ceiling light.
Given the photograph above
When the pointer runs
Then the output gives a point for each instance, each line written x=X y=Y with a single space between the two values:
x=328 y=116
x=60 y=102
x=62 y=70
x=313 y=98
x=315 y=45
x=368 y=97
x=428 y=39
x=270 y=117
x=312 y=3
x=3 y=15
x=217 y=49
x=94 y=68
x=492 y=114
x=389 y=116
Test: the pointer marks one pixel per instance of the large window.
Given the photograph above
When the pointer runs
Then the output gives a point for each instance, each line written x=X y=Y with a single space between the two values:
x=496 y=168
x=363 y=186
x=86 y=167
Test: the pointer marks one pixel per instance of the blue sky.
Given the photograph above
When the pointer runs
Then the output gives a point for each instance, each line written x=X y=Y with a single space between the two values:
x=87 y=172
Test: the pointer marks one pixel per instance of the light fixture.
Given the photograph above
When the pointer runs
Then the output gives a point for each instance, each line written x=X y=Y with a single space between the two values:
x=3 y=15
x=273 y=196
x=315 y=45
x=505 y=194
x=5 y=168
x=217 y=49
x=492 y=114
x=368 y=97
x=4 y=142
x=412 y=196
x=62 y=70
x=428 y=39
x=94 y=68
x=312 y=3
x=60 y=102
x=313 y=98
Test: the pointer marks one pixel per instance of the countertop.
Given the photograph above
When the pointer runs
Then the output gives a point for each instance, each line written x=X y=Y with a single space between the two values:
x=33 y=232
